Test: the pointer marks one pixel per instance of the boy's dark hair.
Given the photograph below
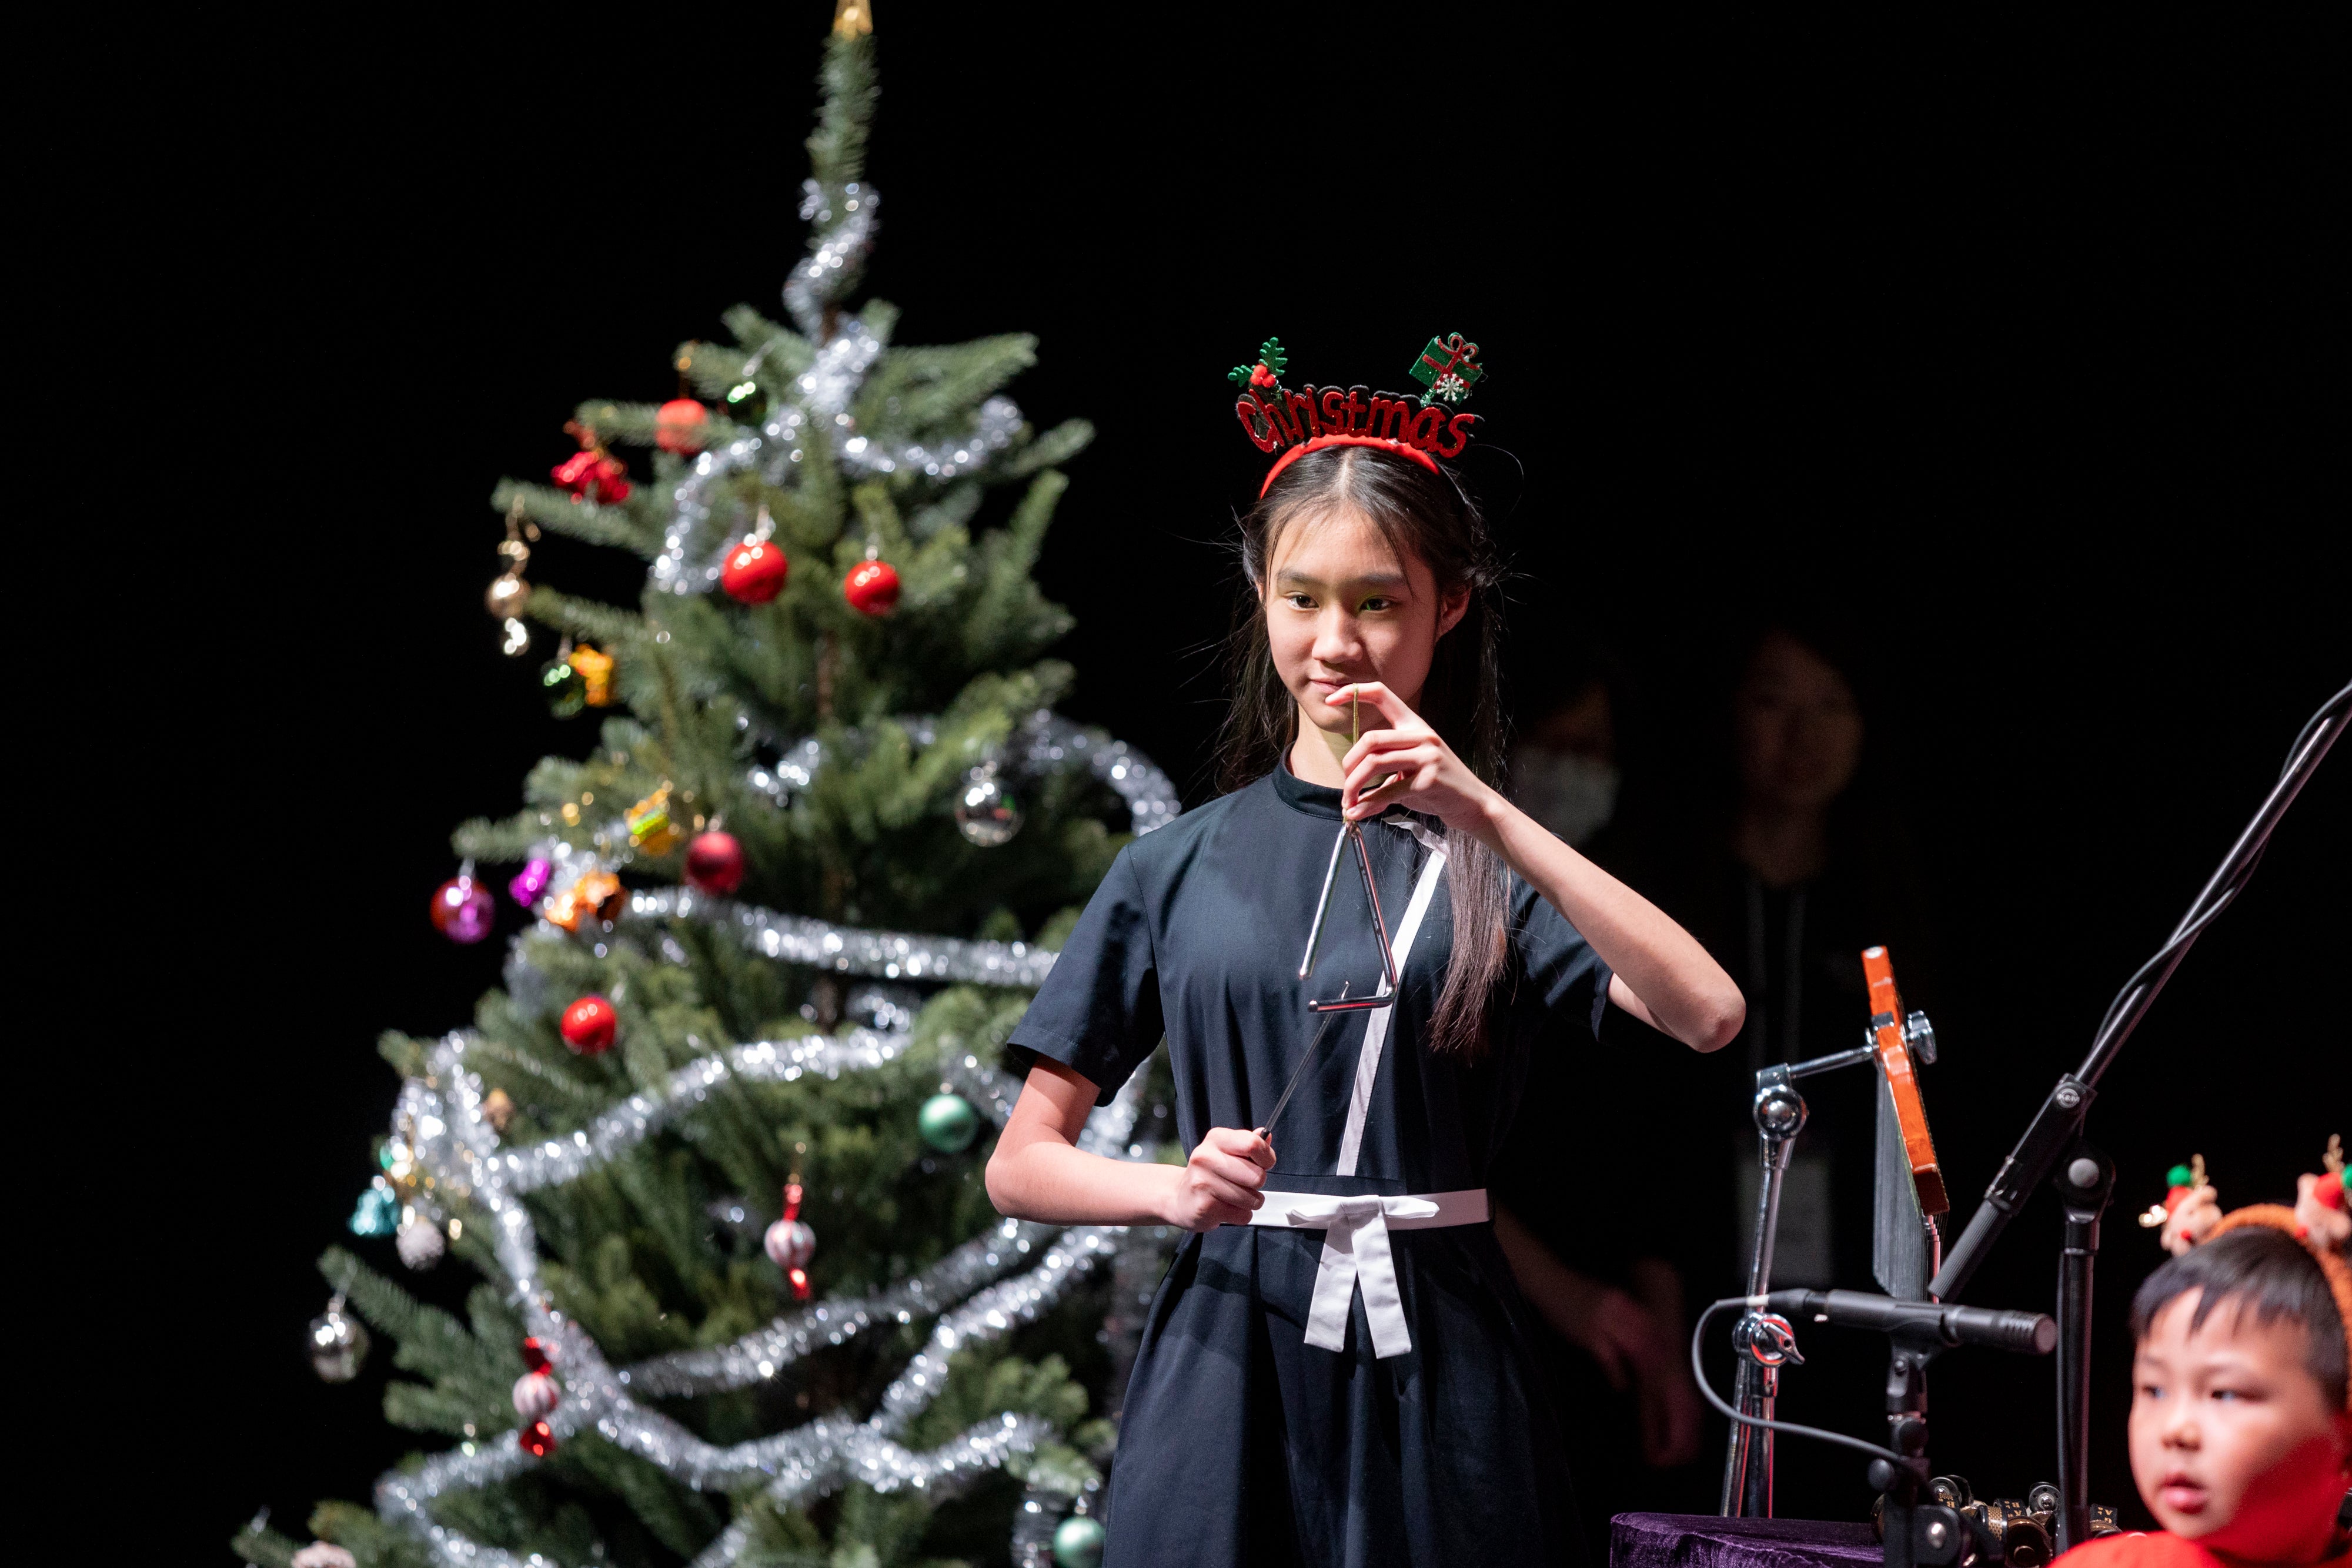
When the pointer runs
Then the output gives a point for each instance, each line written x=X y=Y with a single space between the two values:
x=2266 y=1273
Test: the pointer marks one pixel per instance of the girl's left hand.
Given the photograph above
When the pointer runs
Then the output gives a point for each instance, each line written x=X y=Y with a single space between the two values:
x=1421 y=770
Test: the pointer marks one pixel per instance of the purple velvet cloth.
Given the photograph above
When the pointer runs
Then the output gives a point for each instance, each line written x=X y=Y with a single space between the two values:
x=1704 y=1540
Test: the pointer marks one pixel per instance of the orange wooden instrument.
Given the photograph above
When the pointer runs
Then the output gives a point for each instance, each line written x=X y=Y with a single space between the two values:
x=1895 y=1057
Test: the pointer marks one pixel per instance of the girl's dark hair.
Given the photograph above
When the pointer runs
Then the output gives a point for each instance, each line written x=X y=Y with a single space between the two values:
x=2266 y=1273
x=1424 y=517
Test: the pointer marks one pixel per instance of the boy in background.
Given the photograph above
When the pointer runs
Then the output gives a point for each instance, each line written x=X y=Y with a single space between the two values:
x=2241 y=1418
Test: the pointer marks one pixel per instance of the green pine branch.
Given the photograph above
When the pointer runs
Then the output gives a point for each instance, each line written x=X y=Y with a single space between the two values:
x=1058 y=445
x=837 y=147
x=783 y=354
x=915 y=389
x=629 y=525
x=600 y=623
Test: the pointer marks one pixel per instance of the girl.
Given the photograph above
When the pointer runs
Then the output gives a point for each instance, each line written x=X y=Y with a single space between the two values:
x=1334 y=1370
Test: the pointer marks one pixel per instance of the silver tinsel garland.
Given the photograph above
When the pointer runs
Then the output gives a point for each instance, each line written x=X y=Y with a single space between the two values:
x=848 y=949
x=440 y=1125
x=1046 y=742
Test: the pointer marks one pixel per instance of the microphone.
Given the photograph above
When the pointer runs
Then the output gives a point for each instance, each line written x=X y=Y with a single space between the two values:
x=2033 y=1333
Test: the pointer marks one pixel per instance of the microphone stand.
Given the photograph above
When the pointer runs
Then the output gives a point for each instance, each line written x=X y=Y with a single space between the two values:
x=2053 y=1145
x=1762 y=1341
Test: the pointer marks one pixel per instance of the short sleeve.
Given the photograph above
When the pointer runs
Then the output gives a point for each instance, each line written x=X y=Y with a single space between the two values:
x=1098 y=1012
x=1565 y=975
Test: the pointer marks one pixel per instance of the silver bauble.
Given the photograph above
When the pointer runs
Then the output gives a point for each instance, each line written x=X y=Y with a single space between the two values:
x=985 y=809
x=419 y=1242
x=338 y=1344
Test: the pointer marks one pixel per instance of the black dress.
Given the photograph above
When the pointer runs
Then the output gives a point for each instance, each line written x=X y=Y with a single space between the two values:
x=1241 y=1443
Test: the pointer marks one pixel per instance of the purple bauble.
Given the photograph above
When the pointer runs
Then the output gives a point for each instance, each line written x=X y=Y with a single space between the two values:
x=530 y=882
x=463 y=909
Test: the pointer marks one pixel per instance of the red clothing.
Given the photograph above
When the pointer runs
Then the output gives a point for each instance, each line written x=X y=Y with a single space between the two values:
x=2159 y=1549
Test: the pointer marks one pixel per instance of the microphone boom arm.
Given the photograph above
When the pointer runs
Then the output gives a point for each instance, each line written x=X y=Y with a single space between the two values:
x=2057 y=1125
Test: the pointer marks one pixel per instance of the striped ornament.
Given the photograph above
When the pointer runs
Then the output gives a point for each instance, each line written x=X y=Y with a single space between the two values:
x=535 y=1394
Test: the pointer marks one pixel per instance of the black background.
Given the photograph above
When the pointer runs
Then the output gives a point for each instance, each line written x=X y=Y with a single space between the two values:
x=2023 y=350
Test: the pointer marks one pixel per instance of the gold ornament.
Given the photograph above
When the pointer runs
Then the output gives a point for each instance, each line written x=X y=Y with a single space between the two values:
x=652 y=829
x=852 y=19
x=497 y=1109
x=597 y=894
x=595 y=675
x=509 y=595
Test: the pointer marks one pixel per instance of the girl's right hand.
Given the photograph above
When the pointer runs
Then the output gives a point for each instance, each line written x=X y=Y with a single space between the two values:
x=1221 y=1184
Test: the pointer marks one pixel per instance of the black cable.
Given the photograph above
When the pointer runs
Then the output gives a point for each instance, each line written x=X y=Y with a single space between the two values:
x=1698 y=1336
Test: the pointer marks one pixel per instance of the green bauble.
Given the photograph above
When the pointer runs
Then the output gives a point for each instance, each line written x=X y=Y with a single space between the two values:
x=1078 y=1542
x=747 y=402
x=2179 y=1176
x=566 y=688
x=948 y=1123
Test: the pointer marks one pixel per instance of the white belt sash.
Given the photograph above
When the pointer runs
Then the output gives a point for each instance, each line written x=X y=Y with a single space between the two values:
x=1355 y=1251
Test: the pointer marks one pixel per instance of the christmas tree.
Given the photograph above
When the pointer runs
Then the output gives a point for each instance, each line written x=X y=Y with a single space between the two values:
x=713 y=1148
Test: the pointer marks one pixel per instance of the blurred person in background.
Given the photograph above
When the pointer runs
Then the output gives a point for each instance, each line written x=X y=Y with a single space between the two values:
x=1564 y=769
x=1616 y=1353
x=1787 y=864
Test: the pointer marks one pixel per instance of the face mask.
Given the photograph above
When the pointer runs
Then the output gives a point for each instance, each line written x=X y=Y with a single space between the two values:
x=1572 y=795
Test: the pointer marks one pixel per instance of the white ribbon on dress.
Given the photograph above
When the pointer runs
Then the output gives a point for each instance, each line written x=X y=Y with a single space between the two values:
x=1376 y=1028
x=1355 y=1251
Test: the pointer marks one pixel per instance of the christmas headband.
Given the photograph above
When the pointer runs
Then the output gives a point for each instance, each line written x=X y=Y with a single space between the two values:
x=2321 y=1220
x=1422 y=427
x=2279 y=1217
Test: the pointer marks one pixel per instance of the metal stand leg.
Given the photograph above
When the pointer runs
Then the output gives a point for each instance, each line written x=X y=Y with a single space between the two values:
x=2084 y=1183
x=1761 y=1342
x=1920 y=1530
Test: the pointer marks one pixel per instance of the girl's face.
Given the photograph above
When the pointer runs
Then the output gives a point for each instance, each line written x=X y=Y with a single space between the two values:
x=2233 y=1441
x=1343 y=606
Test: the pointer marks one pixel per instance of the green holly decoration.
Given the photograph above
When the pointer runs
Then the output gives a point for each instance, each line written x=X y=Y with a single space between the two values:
x=1270 y=363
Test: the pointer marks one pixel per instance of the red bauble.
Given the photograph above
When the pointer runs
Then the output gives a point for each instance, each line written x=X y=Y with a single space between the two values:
x=534 y=1355
x=594 y=475
x=678 y=425
x=871 y=588
x=714 y=863
x=755 y=571
x=538 y=1440
x=589 y=1025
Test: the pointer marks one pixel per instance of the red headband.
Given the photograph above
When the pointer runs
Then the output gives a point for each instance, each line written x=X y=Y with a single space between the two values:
x=1422 y=428
x=1318 y=443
